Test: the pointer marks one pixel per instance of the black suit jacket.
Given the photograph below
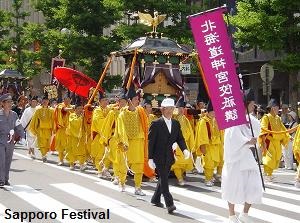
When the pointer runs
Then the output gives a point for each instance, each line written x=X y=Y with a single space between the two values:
x=160 y=141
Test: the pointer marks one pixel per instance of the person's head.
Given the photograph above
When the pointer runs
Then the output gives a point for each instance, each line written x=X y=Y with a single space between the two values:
x=53 y=103
x=133 y=97
x=45 y=100
x=200 y=103
x=67 y=98
x=33 y=101
x=148 y=107
x=22 y=101
x=6 y=101
x=249 y=100
x=292 y=116
x=121 y=99
x=273 y=106
x=78 y=109
x=103 y=100
x=180 y=105
x=285 y=109
x=167 y=107
x=210 y=109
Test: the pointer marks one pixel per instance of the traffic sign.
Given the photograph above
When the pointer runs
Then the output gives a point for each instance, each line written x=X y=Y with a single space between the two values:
x=267 y=73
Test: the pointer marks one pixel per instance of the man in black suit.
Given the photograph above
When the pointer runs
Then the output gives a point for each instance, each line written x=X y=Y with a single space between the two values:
x=163 y=133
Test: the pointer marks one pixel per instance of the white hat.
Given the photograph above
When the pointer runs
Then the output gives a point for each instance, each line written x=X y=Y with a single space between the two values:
x=168 y=102
x=293 y=114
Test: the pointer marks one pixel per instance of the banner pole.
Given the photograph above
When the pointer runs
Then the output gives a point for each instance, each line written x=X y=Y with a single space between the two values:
x=100 y=81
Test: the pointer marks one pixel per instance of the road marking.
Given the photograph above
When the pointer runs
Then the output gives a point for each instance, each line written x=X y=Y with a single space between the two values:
x=263 y=215
x=266 y=201
x=184 y=209
x=117 y=207
x=266 y=216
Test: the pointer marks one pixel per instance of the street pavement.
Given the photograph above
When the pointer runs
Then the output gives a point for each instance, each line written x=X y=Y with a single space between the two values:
x=38 y=188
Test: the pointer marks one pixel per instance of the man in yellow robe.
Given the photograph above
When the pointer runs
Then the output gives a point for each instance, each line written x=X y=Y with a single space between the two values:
x=132 y=136
x=41 y=126
x=271 y=144
x=181 y=164
x=99 y=137
x=76 y=142
x=296 y=150
x=209 y=144
x=113 y=139
x=61 y=120
x=150 y=117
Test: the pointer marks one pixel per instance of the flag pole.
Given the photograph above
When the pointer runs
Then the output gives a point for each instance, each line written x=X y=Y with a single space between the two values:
x=100 y=81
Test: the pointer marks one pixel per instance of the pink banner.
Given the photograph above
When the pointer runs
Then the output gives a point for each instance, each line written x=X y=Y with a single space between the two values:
x=217 y=61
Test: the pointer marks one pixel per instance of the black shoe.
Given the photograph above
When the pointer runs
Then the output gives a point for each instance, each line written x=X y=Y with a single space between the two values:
x=7 y=183
x=158 y=204
x=171 y=209
x=1 y=184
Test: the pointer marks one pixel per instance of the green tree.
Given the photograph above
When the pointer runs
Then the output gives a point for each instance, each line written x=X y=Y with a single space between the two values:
x=76 y=28
x=272 y=25
x=4 y=31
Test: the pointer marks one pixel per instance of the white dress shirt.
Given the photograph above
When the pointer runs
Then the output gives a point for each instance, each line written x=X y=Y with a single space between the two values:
x=168 y=123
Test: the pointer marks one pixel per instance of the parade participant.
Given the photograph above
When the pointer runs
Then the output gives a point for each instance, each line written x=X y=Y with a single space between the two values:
x=41 y=126
x=20 y=106
x=296 y=150
x=288 y=152
x=150 y=117
x=181 y=164
x=115 y=153
x=271 y=144
x=209 y=144
x=76 y=143
x=132 y=136
x=241 y=182
x=10 y=128
x=284 y=114
x=61 y=119
x=98 y=137
x=163 y=133
x=148 y=109
x=25 y=120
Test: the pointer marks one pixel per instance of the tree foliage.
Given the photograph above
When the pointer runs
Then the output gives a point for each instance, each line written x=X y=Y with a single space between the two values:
x=271 y=25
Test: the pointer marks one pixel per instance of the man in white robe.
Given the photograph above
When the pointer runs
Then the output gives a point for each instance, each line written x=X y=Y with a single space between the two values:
x=25 y=120
x=241 y=181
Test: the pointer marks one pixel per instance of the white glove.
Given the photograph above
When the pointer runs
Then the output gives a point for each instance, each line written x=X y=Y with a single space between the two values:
x=18 y=122
x=11 y=134
x=186 y=154
x=23 y=141
x=151 y=164
x=174 y=146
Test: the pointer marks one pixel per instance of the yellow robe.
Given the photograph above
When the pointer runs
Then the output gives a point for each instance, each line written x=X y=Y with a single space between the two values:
x=76 y=143
x=61 y=120
x=131 y=135
x=99 y=136
x=272 y=154
x=296 y=150
x=41 y=126
x=188 y=135
x=208 y=134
